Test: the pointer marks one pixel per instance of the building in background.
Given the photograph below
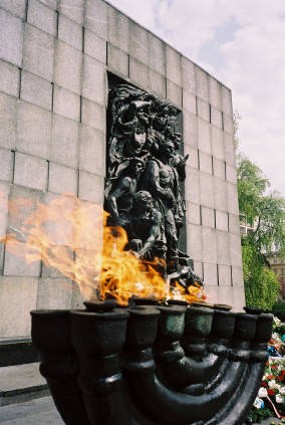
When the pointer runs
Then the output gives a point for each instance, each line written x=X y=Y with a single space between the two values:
x=56 y=63
x=277 y=264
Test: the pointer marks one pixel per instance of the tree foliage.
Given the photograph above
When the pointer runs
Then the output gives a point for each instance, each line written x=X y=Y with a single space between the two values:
x=264 y=212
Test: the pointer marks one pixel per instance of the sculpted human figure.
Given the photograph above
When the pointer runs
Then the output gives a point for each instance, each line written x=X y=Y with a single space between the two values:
x=161 y=180
x=144 y=176
x=146 y=228
x=129 y=135
x=119 y=198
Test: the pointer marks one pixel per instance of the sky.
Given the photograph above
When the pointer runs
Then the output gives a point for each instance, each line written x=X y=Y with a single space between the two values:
x=242 y=44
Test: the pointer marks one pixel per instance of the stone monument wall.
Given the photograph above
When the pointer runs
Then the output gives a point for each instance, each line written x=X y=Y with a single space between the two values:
x=55 y=60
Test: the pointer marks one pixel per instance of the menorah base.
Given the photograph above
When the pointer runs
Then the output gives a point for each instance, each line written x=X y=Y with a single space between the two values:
x=152 y=365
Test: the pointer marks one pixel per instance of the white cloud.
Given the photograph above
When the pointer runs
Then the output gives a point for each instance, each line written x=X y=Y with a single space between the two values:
x=242 y=43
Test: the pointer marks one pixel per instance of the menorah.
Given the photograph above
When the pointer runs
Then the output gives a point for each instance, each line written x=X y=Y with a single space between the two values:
x=152 y=365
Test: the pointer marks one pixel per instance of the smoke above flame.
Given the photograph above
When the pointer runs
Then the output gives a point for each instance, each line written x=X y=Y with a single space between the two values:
x=71 y=236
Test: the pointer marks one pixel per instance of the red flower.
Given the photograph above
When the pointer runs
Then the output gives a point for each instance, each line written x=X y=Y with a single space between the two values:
x=270 y=391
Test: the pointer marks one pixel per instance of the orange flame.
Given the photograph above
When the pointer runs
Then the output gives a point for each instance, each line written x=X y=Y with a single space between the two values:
x=71 y=235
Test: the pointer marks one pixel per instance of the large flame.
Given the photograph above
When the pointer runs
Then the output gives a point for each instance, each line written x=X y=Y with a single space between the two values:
x=71 y=235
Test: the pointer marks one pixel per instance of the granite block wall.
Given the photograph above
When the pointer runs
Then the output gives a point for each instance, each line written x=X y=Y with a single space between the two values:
x=55 y=57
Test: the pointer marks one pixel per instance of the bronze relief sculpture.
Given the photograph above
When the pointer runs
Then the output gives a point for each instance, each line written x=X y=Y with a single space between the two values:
x=145 y=175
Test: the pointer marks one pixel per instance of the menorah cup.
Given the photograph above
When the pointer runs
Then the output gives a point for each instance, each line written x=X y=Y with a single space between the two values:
x=152 y=365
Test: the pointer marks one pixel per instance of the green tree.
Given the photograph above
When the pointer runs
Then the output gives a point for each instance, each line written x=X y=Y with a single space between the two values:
x=264 y=212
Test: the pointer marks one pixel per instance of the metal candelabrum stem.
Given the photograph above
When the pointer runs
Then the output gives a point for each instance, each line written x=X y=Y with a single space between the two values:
x=59 y=365
x=148 y=365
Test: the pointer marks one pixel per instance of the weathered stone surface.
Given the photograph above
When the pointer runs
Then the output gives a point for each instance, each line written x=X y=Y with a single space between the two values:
x=96 y=17
x=16 y=7
x=204 y=136
x=202 y=84
x=190 y=130
x=203 y=109
x=118 y=60
x=51 y=3
x=231 y=173
x=73 y=9
x=208 y=217
x=33 y=130
x=93 y=115
x=206 y=162
x=36 y=90
x=199 y=268
x=215 y=93
x=91 y=187
x=217 y=143
x=235 y=249
x=93 y=80
x=21 y=293
x=220 y=194
x=30 y=171
x=192 y=186
x=237 y=275
x=194 y=242
x=225 y=275
x=38 y=52
x=210 y=253
x=4 y=194
x=228 y=124
x=222 y=220
x=50 y=145
x=66 y=103
x=216 y=117
x=193 y=213
x=91 y=151
x=238 y=297
x=15 y=265
x=94 y=46
x=139 y=73
x=207 y=190
x=157 y=83
x=157 y=54
x=139 y=48
x=70 y=32
x=67 y=71
x=213 y=293
x=227 y=101
x=54 y=293
x=118 y=29
x=219 y=168
x=42 y=16
x=6 y=167
x=226 y=295
x=234 y=223
x=193 y=160
x=210 y=276
x=62 y=179
x=10 y=77
x=8 y=108
x=188 y=75
x=232 y=198
x=11 y=45
x=189 y=102
x=229 y=148
x=64 y=144
x=77 y=298
x=223 y=248
x=174 y=93
x=173 y=65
